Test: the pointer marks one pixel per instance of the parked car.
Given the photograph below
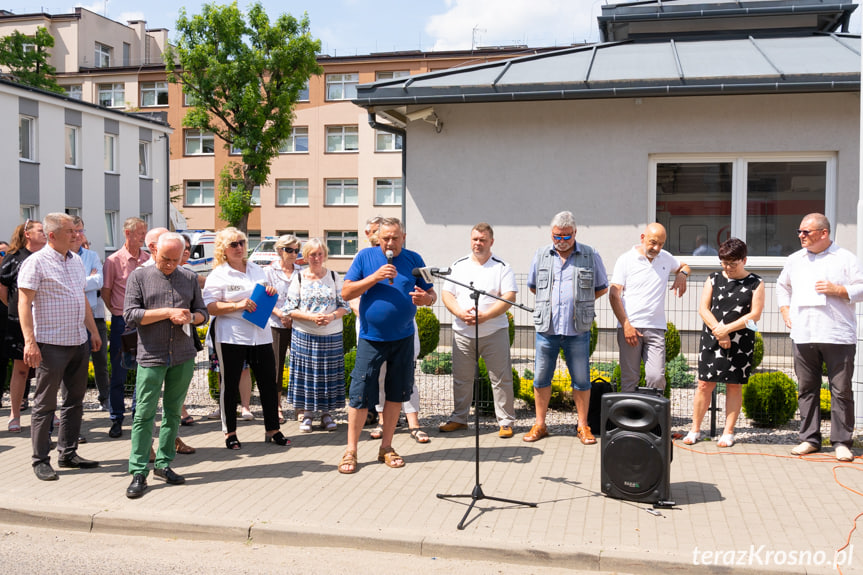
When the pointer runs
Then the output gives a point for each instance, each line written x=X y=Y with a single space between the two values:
x=265 y=252
x=201 y=258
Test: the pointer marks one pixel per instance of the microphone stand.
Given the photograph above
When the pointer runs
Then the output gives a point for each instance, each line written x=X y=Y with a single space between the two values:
x=477 y=493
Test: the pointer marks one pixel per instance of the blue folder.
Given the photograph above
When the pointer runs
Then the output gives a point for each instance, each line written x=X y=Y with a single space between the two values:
x=265 y=304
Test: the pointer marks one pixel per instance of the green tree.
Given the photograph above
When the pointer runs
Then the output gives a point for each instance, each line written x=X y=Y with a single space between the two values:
x=26 y=57
x=243 y=75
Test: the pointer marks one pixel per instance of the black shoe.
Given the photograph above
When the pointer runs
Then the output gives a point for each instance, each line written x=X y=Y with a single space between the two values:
x=138 y=486
x=169 y=476
x=44 y=471
x=82 y=439
x=25 y=405
x=278 y=438
x=116 y=429
x=77 y=462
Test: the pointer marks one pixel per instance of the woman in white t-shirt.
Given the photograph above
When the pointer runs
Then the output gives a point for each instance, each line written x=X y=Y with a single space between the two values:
x=317 y=379
x=227 y=294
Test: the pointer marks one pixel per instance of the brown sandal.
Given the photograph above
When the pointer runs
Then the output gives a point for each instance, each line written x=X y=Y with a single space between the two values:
x=349 y=461
x=390 y=457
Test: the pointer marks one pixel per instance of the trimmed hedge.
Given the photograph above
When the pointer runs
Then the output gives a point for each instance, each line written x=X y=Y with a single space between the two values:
x=429 y=328
x=770 y=399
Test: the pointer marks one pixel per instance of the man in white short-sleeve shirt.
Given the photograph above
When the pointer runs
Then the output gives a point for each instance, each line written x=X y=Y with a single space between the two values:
x=494 y=276
x=637 y=297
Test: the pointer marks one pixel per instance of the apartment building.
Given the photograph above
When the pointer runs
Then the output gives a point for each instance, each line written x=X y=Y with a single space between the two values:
x=334 y=172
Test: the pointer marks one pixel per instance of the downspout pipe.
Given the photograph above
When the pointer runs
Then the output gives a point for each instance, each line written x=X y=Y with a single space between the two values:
x=373 y=122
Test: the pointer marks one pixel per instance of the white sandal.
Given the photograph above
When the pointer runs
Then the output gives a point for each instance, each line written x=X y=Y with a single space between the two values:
x=692 y=438
x=727 y=440
x=306 y=425
x=327 y=422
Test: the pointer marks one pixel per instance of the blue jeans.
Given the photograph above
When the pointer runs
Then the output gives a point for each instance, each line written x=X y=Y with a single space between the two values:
x=116 y=399
x=576 y=351
x=399 y=380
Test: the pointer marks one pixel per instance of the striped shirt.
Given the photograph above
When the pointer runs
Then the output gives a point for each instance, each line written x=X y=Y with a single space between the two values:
x=163 y=342
x=59 y=304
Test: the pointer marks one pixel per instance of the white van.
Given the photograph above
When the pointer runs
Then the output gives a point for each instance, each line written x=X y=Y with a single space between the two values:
x=201 y=258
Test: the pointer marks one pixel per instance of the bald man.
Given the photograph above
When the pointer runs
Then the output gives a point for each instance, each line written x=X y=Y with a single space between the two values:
x=637 y=297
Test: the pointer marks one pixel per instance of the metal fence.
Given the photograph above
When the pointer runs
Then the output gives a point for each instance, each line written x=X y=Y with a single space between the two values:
x=436 y=390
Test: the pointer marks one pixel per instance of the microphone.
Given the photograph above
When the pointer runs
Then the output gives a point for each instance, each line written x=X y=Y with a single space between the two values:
x=427 y=273
x=389 y=254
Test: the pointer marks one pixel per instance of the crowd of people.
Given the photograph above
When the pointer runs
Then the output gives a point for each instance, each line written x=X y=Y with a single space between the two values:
x=56 y=294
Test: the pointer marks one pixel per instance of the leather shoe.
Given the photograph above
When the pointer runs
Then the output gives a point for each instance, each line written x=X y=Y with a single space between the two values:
x=169 y=476
x=536 y=433
x=77 y=462
x=44 y=471
x=805 y=448
x=843 y=453
x=585 y=435
x=182 y=448
x=138 y=486
x=116 y=429
x=451 y=426
x=505 y=431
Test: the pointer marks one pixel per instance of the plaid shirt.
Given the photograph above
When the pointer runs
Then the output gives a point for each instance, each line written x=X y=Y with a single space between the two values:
x=59 y=305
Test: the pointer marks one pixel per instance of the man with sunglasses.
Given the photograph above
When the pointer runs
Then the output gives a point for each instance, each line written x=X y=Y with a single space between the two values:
x=567 y=278
x=637 y=297
x=816 y=292
x=118 y=266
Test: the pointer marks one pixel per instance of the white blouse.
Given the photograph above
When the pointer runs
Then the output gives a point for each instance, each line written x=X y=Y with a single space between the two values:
x=225 y=284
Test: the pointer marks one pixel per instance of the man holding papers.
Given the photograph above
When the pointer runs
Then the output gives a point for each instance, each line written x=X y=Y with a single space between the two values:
x=816 y=292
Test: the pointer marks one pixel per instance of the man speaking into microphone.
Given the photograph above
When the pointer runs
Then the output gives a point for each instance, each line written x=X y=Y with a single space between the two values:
x=389 y=295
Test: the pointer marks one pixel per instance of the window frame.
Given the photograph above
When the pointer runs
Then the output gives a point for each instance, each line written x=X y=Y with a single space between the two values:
x=75 y=91
x=144 y=155
x=340 y=131
x=110 y=163
x=158 y=89
x=28 y=155
x=202 y=137
x=291 y=141
x=75 y=148
x=329 y=235
x=110 y=230
x=395 y=138
x=345 y=81
x=115 y=92
x=303 y=95
x=739 y=192
x=393 y=74
x=395 y=189
x=293 y=189
x=341 y=188
x=201 y=190
x=102 y=52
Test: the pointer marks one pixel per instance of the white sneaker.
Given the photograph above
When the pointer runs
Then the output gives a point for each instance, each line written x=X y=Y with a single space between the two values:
x=306 y=425
x=247 y=415
x=843 y=453
x=215 y=414
x=805 y=448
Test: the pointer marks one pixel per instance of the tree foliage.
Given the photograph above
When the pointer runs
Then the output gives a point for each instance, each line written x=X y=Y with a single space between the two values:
x=26 y=58
x=243 y=75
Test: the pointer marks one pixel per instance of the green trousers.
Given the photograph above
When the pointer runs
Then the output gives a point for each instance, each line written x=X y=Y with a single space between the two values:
x=149 y=387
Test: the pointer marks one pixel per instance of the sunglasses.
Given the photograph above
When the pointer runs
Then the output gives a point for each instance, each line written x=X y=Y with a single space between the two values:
x=290 y=250
x=805 y=233
x=562 y=238
x=237 y=244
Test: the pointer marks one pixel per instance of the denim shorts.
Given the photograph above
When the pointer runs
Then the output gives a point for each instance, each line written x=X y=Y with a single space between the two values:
x=399 y=379
x=576 y=351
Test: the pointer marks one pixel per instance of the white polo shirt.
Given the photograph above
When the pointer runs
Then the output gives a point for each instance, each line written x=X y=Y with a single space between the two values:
x=226 y=284
x=495 y=277
x=644 y=286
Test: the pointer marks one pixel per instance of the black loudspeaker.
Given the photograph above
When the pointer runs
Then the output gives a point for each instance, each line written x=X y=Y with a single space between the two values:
x=636 y=447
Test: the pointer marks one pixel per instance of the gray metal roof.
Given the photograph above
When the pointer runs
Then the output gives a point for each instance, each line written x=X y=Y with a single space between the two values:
x=801 y=64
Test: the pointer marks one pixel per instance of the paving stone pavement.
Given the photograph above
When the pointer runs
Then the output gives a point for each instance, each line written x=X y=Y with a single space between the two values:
x=753 y=506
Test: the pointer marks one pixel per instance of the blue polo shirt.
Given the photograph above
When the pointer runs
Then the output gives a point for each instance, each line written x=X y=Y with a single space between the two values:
x=386 y=311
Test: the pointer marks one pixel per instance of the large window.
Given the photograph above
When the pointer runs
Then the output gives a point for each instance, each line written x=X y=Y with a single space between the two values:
x=343 y=139
x=112 y=95
x=199 y=143
x=388 y=191
x=27 y=138
x=387 y=142
x=342 y=86
x=154 y=94
x=200 y=193
x=110 y=153
x=143 y=158
x=342 y=192
x=297 y=142
x=72 y=146
x=292 y=192
x=304 y=93
x=703 y=201
x=341 y=243
x=103 y=56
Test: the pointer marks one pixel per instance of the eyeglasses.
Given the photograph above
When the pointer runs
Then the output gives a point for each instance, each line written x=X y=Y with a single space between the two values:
x=187 y=249
x=562 y=238
x=730 y=263
x=237 y=244
x=81 y=231
x=290 y=250
x=805 y=233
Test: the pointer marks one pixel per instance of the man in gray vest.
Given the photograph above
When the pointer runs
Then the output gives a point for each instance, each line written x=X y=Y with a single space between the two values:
x=567 y=278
